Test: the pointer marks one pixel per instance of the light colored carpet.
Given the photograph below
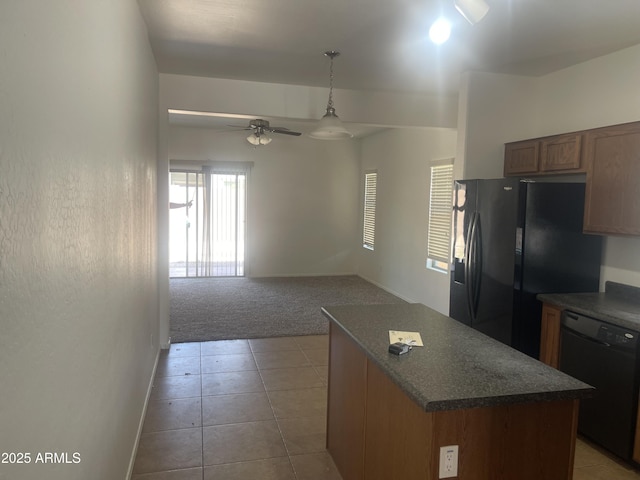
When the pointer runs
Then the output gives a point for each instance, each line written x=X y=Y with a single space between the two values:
x=204 y=309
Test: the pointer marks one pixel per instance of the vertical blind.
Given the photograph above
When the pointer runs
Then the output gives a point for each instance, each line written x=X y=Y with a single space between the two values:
x=369 y=227
x=440 y=208
x=208 y=237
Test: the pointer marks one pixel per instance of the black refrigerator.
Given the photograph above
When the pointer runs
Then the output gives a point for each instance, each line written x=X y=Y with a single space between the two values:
x=512 y=240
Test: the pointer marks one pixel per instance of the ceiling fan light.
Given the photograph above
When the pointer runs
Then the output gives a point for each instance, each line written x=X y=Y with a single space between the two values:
x=472 y=10
x=330 y=128
x=264 y=140
x=256 y=139
x=253 y=139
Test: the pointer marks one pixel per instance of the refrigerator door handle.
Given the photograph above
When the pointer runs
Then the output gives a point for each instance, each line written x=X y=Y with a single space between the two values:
x=477 y=264
x=469 y=272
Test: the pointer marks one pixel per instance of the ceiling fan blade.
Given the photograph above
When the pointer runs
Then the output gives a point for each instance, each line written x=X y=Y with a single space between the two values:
x=240 y=127
x=228 y=130
x=284 y=131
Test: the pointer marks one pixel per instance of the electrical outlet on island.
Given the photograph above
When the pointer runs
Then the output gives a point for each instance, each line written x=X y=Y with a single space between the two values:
x=448 y=461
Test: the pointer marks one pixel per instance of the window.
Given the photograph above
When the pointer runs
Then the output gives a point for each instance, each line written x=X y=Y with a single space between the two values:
x=440 y=207
x=369 y=224
x=207 y=220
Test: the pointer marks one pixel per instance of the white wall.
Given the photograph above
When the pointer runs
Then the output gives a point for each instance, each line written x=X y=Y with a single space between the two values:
x=603 y=91
x=303 y=198
x=492 y=107
x=78 y=294
x=402 y=159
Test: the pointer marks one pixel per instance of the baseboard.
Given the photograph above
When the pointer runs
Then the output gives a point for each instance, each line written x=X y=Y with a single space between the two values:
x=386 y=289
x=304 y=275
x=132 y=461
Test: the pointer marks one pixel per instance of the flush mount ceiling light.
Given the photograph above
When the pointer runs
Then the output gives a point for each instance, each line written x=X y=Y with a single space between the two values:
x=472 y=10
x=440 y=31
x=330 y=126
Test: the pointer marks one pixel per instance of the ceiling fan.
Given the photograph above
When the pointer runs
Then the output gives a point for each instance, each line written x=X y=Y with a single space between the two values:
x=260 y=129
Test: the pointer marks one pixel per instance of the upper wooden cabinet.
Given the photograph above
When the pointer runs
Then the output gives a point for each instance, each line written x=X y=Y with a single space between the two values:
x=610 y=156
x=561 y=153
x=547 y=155
x=521 y=158
x=612 y=198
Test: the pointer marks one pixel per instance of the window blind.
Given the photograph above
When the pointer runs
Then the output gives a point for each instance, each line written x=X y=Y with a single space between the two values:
x=440 y=207
x=369 y=227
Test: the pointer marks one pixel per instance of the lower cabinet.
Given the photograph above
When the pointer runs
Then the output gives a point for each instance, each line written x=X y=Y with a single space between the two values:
x=636 y=444
x=345 y=407
x=550 y=354
x=376 y=432
x=550 y=335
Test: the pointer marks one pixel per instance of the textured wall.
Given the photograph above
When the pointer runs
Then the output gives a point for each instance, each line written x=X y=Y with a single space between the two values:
x=402 y=158
x=302 y=199
x=78 y=288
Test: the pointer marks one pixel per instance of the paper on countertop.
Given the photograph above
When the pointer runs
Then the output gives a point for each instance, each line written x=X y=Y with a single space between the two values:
x=410 y=338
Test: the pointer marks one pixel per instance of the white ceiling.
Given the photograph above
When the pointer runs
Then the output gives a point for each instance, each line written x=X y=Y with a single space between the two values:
x=384 y=43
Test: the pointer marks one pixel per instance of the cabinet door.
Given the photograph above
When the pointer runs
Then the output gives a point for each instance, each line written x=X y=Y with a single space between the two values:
x=550 y=335
x=612 y=203
x=561 y=153
x=346 y=404
x=636 y=443
x=521 y=157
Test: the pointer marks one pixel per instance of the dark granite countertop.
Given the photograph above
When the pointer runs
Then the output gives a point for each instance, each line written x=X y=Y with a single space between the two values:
x=618 y=304
x=458 y=367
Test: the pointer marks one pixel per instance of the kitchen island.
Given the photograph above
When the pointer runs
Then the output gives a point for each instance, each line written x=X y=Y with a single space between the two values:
x=511 y=417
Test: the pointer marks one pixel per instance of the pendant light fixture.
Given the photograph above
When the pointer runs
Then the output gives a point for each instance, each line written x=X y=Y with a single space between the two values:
x=472 y=10
x=330 y=126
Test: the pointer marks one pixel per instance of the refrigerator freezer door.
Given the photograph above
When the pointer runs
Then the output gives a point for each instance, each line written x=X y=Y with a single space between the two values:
x=497 y=209
x=464 y=206
x=484 y=240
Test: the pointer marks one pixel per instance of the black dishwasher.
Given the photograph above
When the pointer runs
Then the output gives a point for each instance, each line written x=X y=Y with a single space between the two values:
x=606 y=357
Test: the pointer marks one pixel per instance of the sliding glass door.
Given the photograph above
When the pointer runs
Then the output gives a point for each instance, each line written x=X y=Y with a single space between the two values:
x=207 y=223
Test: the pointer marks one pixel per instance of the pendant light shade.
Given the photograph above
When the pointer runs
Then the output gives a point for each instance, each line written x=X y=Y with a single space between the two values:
x=472 y=10
x=330 y=127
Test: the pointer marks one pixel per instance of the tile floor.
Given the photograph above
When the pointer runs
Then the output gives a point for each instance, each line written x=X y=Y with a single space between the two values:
x=592 y=463
x=238 y=409
x=256 y=409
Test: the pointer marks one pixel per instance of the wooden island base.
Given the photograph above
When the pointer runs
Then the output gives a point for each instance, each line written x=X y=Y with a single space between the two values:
x=375 y=431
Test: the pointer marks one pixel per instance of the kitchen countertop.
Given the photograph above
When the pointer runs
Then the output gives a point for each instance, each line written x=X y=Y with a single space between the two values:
x=458 y=368
x=618 y=304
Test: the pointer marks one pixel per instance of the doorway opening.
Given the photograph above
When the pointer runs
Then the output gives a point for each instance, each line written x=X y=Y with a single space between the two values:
x=207 y=223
